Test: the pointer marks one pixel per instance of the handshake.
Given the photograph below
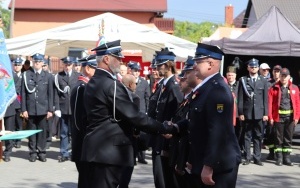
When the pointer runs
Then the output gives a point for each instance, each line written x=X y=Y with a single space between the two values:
x=170 y=127
x=173 y=128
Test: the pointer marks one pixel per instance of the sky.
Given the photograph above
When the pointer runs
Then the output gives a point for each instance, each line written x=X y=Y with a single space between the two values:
x=197 y=10
x=203 y=10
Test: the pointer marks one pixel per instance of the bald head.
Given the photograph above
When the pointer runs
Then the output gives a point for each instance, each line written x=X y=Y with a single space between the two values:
x=129 y=81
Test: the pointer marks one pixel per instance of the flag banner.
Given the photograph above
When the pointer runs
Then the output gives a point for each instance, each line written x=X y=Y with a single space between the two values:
x=7 y=85
x=16 y=135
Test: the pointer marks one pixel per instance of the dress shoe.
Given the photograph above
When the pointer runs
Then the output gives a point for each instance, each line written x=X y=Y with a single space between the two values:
x=246 y=162
x=289 y=163
x=259 y=163
x=32 y=158
x=143 y=161
x=6 y=159
x=42 y=159
x=62 y=159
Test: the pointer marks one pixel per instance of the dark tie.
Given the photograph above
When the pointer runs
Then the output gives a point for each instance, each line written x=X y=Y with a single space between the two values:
x=37 y=76
x=253 y=81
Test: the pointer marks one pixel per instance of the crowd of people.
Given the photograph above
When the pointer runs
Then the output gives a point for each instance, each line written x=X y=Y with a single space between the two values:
x=198 y=124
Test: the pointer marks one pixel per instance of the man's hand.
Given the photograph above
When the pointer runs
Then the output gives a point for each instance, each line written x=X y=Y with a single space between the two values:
x=242 y=117
x=206 y=175
x=25 y=114
x=49 y=115
x=265 y=118
x=167 y=136
x=271 y=122
x=295 y=122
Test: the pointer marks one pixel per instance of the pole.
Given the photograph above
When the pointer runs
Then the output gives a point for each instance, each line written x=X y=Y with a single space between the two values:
x=12 y=18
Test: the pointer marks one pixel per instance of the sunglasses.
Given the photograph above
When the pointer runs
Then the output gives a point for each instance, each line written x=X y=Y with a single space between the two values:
x=17 y=64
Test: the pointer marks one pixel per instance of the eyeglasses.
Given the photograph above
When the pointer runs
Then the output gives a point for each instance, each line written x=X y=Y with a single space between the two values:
x=17 y=64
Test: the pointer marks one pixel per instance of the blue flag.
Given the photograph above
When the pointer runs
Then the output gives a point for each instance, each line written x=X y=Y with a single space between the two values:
x=7 y=85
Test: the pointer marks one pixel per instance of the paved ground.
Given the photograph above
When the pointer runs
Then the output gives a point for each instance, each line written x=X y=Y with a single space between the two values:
x=20 y=173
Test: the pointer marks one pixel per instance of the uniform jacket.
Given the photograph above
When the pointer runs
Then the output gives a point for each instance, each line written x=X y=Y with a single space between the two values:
x=169 y=99
x=143 y=91
x=64 y=98
x=258 y=103
x=41 y=100
x=107 y=136
x=211 y=132
x=79 y=121
x=18 y=83
x=10 y=111
x=275 y=97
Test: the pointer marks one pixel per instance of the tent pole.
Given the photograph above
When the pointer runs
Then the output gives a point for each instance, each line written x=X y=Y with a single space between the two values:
x=222 y=66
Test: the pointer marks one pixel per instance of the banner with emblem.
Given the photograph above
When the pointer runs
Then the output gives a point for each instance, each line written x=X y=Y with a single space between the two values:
x=7 y=85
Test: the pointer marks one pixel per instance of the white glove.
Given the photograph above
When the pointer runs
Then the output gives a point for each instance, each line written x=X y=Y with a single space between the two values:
x=57 y=113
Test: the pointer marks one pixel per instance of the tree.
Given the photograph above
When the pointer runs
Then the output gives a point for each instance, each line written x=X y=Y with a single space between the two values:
x=4 y=20
x=193 y=31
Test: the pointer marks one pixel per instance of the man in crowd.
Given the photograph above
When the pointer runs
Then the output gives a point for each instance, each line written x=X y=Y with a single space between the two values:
x=111 y=117
x=77 y=65
x=18 y=82
x=264 y=71
x=143 y=91
x=284 y=112
x=79 y=117
x=270 y=131
x=65 y=81
x=211 y=163
x=253 y=110
x=168 y=98
x=37 y=105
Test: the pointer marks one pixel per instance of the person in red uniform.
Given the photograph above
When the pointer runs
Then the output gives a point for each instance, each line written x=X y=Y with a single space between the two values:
x=284 y=115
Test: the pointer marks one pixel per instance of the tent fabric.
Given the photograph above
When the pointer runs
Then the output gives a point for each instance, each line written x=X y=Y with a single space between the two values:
x=272 y=35
x=85 y=34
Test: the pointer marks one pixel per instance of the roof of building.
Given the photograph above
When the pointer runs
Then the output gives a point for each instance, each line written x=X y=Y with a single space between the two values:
x=94 y=5
x=238 y=21
x=289 y=8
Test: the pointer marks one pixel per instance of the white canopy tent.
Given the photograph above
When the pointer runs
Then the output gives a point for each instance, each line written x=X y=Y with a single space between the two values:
x=85 y=34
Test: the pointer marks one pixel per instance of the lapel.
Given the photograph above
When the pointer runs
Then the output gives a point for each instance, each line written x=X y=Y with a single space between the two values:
x=249 y=82
x=65 y=77
x=42 y=74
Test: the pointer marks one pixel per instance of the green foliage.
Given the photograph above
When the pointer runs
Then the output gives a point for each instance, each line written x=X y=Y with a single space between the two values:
x=193 y=31
x=5 y=14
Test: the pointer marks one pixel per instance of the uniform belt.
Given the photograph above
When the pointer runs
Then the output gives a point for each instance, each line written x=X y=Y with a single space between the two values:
x=285 y=112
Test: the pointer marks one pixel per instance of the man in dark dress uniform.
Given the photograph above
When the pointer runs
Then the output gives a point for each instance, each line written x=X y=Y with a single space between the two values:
x=179 y=143
x=214 y=154
x=253 y=110
x=17 y=65
x=37 y=105
x=111 y=117
x=79 y=119
x=168 y=98
x=143 y=91
x=9 y=122
x=65 y=81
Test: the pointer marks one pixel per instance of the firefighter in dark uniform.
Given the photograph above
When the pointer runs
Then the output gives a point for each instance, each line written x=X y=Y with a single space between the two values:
x=168 y=100
x=143 y=91
x=18 y=81
x=55 y=105
x=214 y=154
x=79 y=119
x=179 y=143
x=284 y=106
x=253 y=110
x=9 y=121
x=37 y=105
x=111 y=118
x=65 y=81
